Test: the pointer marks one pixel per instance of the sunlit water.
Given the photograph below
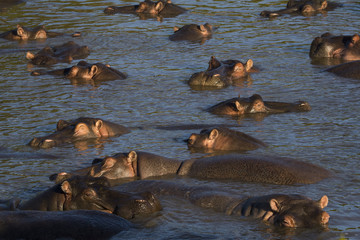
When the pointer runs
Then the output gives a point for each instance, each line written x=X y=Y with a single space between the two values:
x=155 y=93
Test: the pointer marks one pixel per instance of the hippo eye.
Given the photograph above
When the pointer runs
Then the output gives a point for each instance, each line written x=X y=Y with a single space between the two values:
x=89 y=193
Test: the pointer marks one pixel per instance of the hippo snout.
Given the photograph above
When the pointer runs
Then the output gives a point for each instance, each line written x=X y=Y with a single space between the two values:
x=109 y=10
x=42 y=143
x=303 y=106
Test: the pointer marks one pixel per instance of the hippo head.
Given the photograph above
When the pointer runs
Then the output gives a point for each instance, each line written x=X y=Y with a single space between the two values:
x=253 y=104
x=45 y=57
x=338 y=47
x=79 y=129
x=205 y=139
x=295 y=211
x=232 y=69
x=206 y=30
x=149 y=7
x=36 y=33
x=314 y=5
x=83 y=71
x=115 y=167
x=98 y=72
x=95 y=194
x=206 y=79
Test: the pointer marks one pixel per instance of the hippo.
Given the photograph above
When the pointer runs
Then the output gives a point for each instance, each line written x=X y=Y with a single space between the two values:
x=246 y=168
x=24 y=33
x=88 y=193
x=76 y=224
x=222 y=138
x=80 y=129
x=86 y=72
x=6 y=4
x=149 y=9
x=303 y=7
x=284 y=210
x=62 y=53
x=193 y=33
x=345 y=47
x=222 y=73
x=347 y=70
x=255 y=104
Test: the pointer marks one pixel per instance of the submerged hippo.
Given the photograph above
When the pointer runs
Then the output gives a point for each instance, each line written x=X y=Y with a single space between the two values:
x=90 y=194
x=342 y=47
x=279 y=209
x=84 y=71
x=221 y=138
x=62 y=53
x=79 y=129
x=255 y=104
x=247 y=168
x=76 y=224
x=304 y=7
x=23 y=33
x=159 y=9
x=347 y=70
x=192 y=33
x=222 y=73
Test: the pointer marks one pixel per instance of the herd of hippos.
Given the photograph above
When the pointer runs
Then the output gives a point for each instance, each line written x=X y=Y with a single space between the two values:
x=93 y=188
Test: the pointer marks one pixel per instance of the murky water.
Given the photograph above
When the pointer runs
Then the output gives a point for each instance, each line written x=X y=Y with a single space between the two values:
x=155 y=93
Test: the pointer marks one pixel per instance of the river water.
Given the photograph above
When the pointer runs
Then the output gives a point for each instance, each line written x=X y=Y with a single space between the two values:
x=156 y=94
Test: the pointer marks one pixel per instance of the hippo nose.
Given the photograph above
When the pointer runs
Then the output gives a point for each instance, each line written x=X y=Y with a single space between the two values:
x=325 y=218
x=42 y=143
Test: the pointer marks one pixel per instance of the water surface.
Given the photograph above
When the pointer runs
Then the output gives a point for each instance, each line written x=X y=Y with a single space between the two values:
x=155 y=93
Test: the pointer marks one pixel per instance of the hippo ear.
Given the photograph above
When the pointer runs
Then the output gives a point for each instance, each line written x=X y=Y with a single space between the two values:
x=323 y=201
x=275 y=205
x=239 y=107
x=81 y=129
x=203 y=28
x=66 y=188
x=108 y=163
x=213 y=63
x=159 y=6
x=20 y=31
x=324 y=5
x=355 y=39
x=61 y=124
x=249 y=64
x=93 y=70
x=30 y=55
x=176 y=29
x=213 y=134
x=99 y=124
x=131 y=157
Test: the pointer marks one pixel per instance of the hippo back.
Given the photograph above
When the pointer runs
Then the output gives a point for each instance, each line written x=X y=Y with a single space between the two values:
x=262 y=169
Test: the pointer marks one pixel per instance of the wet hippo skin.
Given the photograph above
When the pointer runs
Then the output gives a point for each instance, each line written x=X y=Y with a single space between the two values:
x=285 y=210
x=223 y=73
x=77 y=224
x=88 y=194
x=255 y=104
x=159 y=9
x=61 y=53
x=80 y=129
x=223 y=139
x=246 y=168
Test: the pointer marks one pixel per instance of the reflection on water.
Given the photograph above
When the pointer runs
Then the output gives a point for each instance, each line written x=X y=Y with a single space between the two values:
x=156 y=94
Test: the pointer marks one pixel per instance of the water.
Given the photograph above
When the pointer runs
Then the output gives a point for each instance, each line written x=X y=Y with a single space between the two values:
x=155 y=93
